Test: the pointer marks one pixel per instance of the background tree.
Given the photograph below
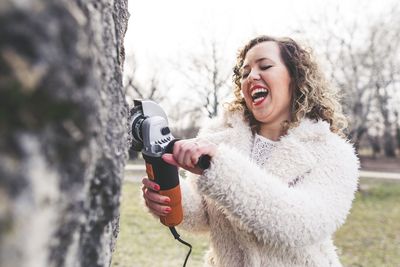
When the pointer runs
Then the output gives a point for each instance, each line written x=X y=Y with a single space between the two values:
x=143 y=89
x=362 y=59
x=63 y=131
x=203 y=78
x=206 y=76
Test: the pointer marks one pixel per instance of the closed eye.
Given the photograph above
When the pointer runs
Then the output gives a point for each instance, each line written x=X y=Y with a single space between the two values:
x=246 y=74
x=265 y=67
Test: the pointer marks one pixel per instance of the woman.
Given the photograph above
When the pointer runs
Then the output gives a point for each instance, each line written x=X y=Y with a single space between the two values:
x=282 y=177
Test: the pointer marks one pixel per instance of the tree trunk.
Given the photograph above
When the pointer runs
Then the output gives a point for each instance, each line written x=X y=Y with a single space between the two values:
x=389 y=146
x=63 y=128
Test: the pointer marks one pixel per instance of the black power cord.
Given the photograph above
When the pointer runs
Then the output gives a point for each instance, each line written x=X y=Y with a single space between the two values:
x=176 y=235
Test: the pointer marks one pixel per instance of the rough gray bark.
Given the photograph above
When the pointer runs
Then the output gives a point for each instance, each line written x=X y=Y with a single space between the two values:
x=63 y=129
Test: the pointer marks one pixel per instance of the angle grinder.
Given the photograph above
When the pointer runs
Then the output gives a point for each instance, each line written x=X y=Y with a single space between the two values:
x=152 y=136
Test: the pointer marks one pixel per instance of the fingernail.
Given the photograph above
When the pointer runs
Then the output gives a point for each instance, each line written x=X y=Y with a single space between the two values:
x=167 y=209
x=156 y=187
x=167 y=200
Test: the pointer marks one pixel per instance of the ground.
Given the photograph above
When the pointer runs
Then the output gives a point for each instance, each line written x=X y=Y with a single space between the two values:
x=369 y=238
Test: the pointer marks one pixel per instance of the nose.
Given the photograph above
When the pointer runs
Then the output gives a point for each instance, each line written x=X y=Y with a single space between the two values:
x=254 y=75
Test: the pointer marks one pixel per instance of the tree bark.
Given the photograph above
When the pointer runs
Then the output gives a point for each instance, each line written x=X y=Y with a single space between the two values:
x=63 y=128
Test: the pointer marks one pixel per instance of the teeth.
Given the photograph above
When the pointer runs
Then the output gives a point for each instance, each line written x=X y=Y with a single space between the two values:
x=258 y=90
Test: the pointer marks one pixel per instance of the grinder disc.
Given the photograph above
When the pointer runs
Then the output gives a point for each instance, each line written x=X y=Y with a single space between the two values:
x=136 y=120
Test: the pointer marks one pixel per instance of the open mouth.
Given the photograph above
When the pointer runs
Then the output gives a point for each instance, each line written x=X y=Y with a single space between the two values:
x=259 y=95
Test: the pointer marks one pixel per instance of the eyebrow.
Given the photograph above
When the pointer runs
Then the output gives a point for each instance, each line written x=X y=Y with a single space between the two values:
x=258 y=60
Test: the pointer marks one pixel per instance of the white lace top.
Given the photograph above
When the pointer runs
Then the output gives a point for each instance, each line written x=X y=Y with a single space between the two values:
x=262 y=148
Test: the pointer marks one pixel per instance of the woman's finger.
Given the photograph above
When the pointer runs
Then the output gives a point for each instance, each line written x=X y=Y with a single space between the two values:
x=186 y=154
x=157 y=203
x=195 y=157
x=150 y=184
x=190 y=151
x=181 y=155
x=159 y=210
x=156 y=197
x=169 y=158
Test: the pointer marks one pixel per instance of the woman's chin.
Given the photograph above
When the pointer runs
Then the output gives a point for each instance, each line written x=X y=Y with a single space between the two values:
x=261 y=116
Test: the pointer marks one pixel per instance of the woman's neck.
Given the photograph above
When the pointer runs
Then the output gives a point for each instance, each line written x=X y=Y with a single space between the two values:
x=272 y=131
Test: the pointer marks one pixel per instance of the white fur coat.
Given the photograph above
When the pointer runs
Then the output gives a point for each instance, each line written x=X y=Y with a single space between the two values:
x=283 y=214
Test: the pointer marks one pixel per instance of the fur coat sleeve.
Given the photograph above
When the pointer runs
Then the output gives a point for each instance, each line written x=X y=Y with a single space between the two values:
x=301 y=196
x=194 y=206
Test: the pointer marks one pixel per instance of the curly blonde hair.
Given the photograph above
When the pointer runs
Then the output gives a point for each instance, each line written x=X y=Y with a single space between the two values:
x=312 y=96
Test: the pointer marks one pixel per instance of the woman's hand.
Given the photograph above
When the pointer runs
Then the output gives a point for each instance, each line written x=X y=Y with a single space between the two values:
x=187 y=152
x=157 y=203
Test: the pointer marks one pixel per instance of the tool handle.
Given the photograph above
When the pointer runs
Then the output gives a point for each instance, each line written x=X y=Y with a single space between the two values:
x=175 y=217
x=204 y=162
x=166 y=176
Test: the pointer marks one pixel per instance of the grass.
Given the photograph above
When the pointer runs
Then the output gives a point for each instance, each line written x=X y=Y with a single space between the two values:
x=370 y=237
x=143 y=241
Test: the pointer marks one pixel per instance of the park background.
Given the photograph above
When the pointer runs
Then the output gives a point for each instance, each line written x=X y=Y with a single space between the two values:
x=70 y=69
x=181 y=54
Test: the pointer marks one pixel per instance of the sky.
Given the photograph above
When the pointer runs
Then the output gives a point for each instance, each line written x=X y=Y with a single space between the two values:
x=161 y=31
x=159 y=28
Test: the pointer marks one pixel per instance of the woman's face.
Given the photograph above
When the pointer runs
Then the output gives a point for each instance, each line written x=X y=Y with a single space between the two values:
x=265 y=83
